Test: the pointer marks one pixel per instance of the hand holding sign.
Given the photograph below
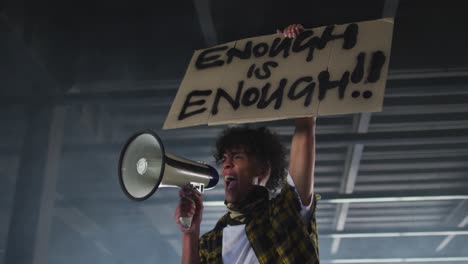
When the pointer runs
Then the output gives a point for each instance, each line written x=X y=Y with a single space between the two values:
x=322 y=71
x=291 y=31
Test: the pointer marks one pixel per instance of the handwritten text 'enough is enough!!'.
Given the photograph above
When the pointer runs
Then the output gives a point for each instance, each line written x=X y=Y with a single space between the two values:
x=302 y=89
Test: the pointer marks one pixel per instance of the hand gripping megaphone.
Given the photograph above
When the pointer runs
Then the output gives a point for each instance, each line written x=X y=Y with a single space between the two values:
x=144 y=167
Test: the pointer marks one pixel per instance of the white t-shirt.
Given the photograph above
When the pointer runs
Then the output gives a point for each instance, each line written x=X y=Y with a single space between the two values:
x=236 y=245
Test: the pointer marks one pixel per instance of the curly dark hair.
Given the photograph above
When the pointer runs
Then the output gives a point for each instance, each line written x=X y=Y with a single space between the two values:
x=262 y=143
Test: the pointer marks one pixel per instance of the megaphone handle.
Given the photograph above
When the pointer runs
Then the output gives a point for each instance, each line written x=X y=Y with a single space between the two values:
x=186 y=221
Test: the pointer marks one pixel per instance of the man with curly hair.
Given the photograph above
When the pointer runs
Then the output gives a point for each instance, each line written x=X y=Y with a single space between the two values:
x=271 y=214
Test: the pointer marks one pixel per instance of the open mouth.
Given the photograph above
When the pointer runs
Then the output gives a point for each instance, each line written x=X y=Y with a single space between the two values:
x=230 y=182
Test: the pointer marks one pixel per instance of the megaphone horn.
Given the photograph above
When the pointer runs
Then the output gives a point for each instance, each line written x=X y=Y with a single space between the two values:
x=144 y=166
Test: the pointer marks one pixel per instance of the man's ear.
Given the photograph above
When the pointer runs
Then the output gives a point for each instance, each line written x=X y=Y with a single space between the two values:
x=264 y=175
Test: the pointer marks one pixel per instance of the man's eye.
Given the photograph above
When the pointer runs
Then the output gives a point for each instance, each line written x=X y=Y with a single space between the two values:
x=238 y=157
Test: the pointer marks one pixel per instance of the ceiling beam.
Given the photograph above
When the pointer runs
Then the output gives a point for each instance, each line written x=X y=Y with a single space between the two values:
x=353 y=160
x=426 y=137
x=427 y=73
x=396 y=138
x=165 y=91
x=376 y=138
x=31 y=216
x=411 y=196
x=424 y=87
x=124 y=85
x=114 y=97
x=461 y=232
x=414 y=137
x=78 y=221
x=205 y=18
x=372 y=233
x=390 y=8
x=16 y=51
x=385 y=199
x=457 y=214
x=398 y=260
x=96 y=120
x=423 y=109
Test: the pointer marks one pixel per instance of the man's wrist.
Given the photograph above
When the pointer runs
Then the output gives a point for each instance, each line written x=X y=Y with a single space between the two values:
x=191 y=235
x=305 y=122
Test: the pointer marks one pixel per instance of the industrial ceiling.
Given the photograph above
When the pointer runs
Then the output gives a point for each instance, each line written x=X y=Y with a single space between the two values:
x=78 y=78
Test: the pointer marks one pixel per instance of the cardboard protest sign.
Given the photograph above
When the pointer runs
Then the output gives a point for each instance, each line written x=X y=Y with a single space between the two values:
x=323 y=71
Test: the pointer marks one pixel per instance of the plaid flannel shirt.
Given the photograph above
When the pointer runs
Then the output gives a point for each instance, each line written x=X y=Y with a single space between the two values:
x=276 y=233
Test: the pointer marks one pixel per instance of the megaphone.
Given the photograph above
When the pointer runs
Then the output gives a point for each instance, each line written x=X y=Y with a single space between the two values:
x=144 y=167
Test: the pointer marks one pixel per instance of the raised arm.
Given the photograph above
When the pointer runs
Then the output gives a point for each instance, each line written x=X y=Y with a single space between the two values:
x=302 y=158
